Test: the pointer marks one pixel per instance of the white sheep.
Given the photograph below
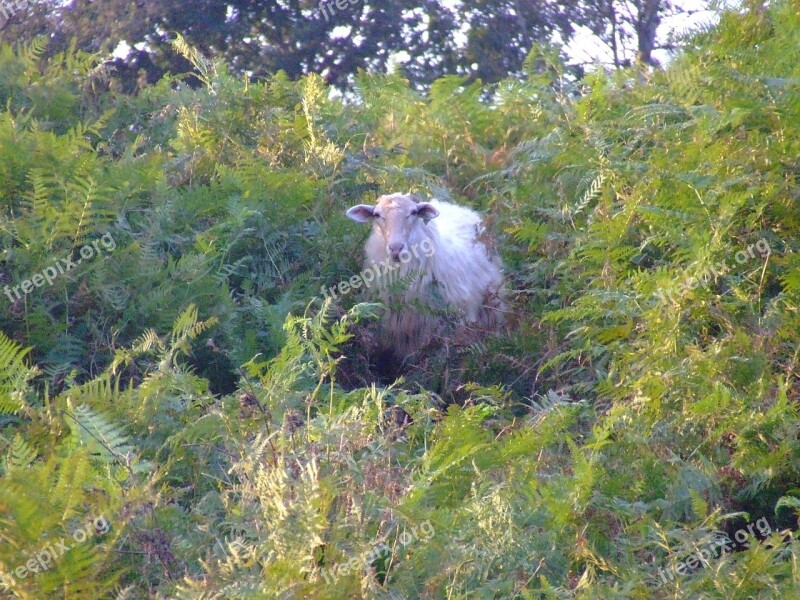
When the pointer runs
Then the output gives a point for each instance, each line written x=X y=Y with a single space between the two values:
x=426 y=256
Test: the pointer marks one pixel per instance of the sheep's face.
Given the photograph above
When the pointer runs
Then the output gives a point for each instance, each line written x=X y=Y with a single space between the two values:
x=394 y=217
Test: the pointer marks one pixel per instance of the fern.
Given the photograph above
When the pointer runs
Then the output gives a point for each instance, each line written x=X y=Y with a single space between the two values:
x=14 y=376
x=104 y=440
x=20 y=455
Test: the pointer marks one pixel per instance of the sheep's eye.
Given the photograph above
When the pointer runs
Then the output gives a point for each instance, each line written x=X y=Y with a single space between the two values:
x=377 y=215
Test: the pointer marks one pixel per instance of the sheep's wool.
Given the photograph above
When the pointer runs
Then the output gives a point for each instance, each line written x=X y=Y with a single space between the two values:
x=444 y=265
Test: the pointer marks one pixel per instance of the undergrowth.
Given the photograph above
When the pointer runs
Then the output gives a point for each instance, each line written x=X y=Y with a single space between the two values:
x=193 y=388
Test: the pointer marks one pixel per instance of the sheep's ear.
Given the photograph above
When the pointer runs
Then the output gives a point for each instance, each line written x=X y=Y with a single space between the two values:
x=426 y=211
x=361 y=213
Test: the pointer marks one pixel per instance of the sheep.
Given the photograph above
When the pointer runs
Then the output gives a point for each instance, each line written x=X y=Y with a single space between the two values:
x=455 y=269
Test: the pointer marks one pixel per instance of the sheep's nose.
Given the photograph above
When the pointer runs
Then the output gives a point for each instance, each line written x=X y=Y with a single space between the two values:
x=396 y=248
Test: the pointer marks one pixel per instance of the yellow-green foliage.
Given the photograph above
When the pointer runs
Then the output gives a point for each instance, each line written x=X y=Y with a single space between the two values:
x=192 y=387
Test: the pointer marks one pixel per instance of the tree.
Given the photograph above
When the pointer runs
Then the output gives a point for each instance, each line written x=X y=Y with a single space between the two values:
x=629 y=28
x=500 y=33
x=255 y=37
x=483 y=39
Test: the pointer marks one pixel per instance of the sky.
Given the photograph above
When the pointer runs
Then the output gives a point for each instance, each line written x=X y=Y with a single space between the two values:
x=584 y=47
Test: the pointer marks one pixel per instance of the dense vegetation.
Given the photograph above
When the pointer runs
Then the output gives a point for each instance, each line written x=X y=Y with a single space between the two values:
x=187 y=386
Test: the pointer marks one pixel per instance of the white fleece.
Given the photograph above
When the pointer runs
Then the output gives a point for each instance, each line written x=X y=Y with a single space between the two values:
x=460 y=274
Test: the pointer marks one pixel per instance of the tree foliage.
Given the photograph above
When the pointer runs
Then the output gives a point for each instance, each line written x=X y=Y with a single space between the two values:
x=481 y=39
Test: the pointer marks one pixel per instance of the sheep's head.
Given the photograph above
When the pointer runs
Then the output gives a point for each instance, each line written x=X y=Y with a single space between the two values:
x=394 y=217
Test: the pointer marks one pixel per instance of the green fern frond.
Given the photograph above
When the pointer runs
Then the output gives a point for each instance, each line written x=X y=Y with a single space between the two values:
x=20 y=455
x=204 y=66
x=14 y=375
x=105 y=441
x=590 y=194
